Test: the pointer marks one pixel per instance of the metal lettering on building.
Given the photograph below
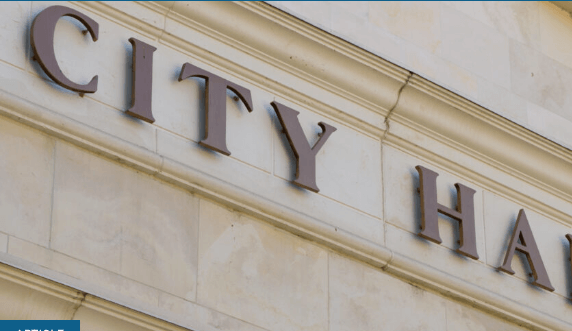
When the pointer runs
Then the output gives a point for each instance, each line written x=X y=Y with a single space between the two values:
x=521 y=241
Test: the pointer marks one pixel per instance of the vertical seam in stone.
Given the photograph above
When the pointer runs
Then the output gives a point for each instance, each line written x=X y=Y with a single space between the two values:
x=329 y=289
x=386 y=266
x=274 y=142
x=52 y=198
x=28 y=65
x=383 y=217
x=121 y=249
x=386 y=122
x=484 y=226
x=79 y=304
x=162 y=164
x=198 y=248
x=156 y=141
x=446 y=318
x=165 y=21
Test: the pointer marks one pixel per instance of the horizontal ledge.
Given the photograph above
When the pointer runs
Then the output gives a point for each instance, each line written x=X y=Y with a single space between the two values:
x=60 y=292
x=360 y=95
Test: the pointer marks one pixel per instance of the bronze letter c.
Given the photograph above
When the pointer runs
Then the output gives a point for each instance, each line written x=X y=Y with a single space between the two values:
x=42 y=39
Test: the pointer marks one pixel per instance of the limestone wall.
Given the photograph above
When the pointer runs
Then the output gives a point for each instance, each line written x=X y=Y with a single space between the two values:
x=122 y=223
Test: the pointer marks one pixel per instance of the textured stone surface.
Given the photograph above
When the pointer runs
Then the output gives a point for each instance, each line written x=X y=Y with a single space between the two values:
x=363 y=298
x=259 y=274
x=517 y=20
x=196 y=317
x=3 y=242
x=127 y=222
x=555 y=27
x=464 y=40
x=99 y=280
x=460 y=317
x=27 y=172
x=541 y=80
x=14 y=36
x=415 y=22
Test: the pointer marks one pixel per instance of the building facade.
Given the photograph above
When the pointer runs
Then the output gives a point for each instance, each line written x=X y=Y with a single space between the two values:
x=308 y=166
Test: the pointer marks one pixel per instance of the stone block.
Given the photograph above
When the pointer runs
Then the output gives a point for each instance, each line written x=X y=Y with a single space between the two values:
x=27 y=174
x=260 y=274
x=541 y=80
x=519 y=20
x=416 y=22
x=475 y=46
x=365 y=298
x=15 y=36
x=93 y=279
x=355 y=27
x=160 y=242
x=3 y=243
x=92 y=198
x=555 y=28
x=125 y=222
x=357 y=8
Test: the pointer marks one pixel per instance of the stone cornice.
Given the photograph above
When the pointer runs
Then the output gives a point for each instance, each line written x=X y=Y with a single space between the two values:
x=469 y=129
x=566 y=5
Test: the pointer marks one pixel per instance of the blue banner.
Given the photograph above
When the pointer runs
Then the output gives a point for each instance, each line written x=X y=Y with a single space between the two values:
x=48 y=325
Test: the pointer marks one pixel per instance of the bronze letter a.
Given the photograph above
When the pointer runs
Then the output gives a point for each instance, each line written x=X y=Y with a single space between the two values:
x=528 y=247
